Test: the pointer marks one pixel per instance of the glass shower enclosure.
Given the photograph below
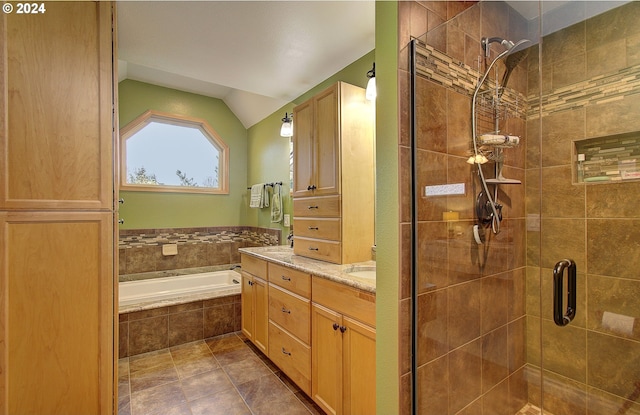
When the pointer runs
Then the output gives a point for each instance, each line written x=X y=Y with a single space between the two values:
x=524 y=179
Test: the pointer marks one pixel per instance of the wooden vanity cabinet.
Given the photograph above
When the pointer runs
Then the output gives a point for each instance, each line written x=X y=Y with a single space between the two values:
x=343 y=348
x=290 y=323
x=255 y=301
x=333 y=178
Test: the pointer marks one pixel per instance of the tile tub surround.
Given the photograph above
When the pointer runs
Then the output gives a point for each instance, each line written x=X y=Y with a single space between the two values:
x=167 y=326
x=283 y=255
x=140 y=250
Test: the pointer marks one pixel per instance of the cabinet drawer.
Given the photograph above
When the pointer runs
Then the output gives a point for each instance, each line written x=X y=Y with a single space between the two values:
x=328 y=206
x=290 y=355
x=321 y=228
x=349 y=301
x=290 y=312
x=253 y=265
x=318 y=249
x=295 y=281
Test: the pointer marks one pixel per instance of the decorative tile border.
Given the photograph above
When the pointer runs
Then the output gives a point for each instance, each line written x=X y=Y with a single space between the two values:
x=440 y=68
x=451 y=74
x=149 y=237
x=598 y=90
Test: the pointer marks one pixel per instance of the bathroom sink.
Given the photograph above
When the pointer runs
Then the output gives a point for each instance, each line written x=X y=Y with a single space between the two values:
x=362 y=272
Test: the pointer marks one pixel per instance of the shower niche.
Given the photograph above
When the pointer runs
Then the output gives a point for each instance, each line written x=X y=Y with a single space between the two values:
x=607 y=159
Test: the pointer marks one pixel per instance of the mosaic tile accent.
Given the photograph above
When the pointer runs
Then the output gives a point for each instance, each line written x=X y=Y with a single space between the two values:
x=181 y=236
x=598 y=90
x=608 y=158
x=440 y=68
x=446 y=71
x=140 y=250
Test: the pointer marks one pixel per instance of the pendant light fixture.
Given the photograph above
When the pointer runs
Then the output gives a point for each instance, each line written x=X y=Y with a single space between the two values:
x=371 y=92
x=287 y=125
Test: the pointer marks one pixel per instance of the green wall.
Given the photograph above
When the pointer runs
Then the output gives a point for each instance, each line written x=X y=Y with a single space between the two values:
x=257 y=155
x=268 y=156
x=143 y=210
x=387 y=208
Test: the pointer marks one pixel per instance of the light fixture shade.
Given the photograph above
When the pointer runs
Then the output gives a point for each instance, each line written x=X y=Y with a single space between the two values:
x=287 y=126
x=371 y=91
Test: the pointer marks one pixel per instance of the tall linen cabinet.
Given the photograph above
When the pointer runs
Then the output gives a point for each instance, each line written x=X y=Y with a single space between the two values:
x=333 y=176
x=57 y=233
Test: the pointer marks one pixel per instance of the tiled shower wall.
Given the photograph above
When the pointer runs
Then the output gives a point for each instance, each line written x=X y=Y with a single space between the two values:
x=471 y=299
x=589 y=89
x=478 y=305
x=140 y=250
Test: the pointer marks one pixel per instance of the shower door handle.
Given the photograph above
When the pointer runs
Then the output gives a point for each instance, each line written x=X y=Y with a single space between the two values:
x=558 y=282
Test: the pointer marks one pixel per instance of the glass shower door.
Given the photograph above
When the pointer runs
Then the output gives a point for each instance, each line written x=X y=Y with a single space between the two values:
x=583 y=341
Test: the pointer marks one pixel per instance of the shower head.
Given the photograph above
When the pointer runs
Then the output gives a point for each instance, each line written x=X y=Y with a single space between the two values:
x=508 y=45
x=486 y=44
x=517 y=53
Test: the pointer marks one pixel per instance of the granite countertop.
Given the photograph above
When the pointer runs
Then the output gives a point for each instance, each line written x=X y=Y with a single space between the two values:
x=284 y=255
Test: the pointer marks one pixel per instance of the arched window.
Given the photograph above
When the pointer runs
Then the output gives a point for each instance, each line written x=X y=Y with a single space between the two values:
x=172 y=153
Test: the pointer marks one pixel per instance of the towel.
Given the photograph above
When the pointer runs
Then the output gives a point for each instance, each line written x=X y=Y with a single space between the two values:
x=257 y=195
x=276 y=204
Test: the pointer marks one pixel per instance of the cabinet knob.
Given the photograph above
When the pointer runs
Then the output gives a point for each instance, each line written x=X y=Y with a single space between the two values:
x=313 y=228
x=284 y=310
x=121 y=201
x=343 y=329
x=313 y=249
x=285 y=278
x=335 y=326
x=120 y=221
x=284 y=351
x=250 y=282
x=312 y=207
x=311 y=187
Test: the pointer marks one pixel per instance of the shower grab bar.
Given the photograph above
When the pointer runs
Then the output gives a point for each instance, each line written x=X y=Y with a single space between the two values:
x=558 y=282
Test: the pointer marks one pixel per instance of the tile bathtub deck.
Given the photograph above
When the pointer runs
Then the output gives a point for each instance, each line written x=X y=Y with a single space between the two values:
x=220 y=375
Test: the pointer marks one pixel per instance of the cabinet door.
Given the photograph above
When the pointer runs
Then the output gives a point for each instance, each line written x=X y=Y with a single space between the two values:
x=261 y=315
x=327 y=137
x=247 y=305
x=303 y=150
x=56 y=144
x=57 y=313
x=326 y=359
x=359 y=372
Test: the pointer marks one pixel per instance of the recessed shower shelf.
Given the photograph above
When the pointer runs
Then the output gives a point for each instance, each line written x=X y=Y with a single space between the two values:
x=503 y=181
x=608 y=159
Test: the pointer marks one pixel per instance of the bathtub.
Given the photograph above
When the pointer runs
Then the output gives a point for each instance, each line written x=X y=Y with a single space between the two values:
x=156 y=292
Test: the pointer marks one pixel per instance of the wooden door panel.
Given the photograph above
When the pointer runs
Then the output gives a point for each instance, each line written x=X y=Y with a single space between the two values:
x=303 y=149
x=326 y=359
x=359 y=371
x=56 y=143
x=57 y=312
x=327 y=143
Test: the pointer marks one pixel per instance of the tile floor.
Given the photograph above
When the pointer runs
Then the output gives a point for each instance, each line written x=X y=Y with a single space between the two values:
x=221 y=375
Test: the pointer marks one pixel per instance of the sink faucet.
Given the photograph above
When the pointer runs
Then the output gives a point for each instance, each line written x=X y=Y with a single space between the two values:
x=290 y=238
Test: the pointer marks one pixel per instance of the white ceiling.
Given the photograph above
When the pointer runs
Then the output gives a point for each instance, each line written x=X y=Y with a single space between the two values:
x=255 y=55
x=258 y=56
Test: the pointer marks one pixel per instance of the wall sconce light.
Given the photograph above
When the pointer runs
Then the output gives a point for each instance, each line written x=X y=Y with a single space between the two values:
x=371 y=92
x=287 y=126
